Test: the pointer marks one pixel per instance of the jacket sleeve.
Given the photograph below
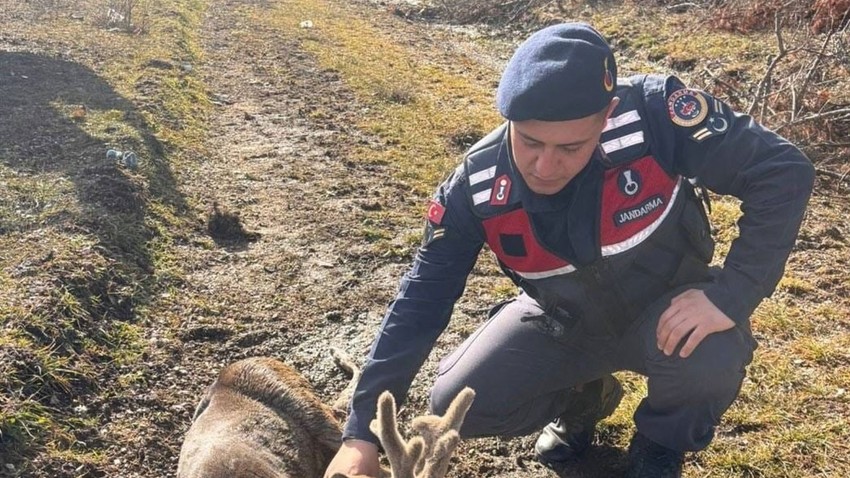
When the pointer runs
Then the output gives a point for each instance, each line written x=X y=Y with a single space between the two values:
x=731 y=154
x=422 y=307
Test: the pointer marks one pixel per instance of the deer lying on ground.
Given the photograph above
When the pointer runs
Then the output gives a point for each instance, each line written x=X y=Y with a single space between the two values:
x=261 y=419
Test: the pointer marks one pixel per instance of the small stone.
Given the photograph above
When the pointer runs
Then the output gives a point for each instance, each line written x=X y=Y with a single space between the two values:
x=130 y=159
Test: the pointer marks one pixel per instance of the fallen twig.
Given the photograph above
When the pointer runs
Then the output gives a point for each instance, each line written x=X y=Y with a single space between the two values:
x=828 y=145
x=681 y=7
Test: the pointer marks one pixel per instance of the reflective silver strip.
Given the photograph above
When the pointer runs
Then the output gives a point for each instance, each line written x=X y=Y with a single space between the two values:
x=480 y=176
x=626 y=118
x=718 y=106
x=645 y=232
x=481 y=197
x=623 y=142
x=542 y=275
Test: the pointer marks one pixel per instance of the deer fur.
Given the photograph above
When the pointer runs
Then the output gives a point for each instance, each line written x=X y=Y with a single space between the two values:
x=261 y=419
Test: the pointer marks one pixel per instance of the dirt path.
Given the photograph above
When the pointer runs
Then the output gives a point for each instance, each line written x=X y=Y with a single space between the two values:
x=299 y=280
x=287 y=178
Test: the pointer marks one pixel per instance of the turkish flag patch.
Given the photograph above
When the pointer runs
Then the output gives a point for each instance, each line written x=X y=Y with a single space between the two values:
x=436 y=212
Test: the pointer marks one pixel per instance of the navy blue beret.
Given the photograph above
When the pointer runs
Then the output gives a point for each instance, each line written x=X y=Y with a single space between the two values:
x=559 y=73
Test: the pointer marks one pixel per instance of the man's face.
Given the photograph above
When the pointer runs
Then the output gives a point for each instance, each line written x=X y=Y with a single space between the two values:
x=549 y=154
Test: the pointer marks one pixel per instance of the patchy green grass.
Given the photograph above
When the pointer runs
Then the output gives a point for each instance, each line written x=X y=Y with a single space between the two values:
x=87 y=242
x=416 y=108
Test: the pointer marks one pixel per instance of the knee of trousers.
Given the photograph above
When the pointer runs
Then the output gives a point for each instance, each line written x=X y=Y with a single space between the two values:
x=486 y=416
x=714 y=371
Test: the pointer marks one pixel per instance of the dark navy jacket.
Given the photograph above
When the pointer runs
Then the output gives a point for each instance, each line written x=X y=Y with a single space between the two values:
x=593 y=219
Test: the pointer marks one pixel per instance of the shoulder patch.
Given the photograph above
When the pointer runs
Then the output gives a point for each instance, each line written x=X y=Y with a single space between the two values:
x=436 y=211
x=717 y=123
x=501 y=191
x=433 y=230
x=687 y=107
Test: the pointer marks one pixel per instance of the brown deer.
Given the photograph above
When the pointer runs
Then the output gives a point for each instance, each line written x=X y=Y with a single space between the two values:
x=261 y=419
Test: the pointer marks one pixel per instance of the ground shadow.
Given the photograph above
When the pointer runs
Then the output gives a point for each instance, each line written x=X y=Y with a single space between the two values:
x=601 y=461
x=48 y=108
x=227 y=230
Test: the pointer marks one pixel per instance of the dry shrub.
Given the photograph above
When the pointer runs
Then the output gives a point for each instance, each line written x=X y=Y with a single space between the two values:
x=480 y=11
x=806 y=99
x=830 y=15
x=745 y=16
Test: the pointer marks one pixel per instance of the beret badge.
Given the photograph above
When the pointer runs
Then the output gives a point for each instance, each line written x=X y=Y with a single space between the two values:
x=608 y=79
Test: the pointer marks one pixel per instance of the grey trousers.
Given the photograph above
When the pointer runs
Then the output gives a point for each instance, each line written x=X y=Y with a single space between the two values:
x=522 y=365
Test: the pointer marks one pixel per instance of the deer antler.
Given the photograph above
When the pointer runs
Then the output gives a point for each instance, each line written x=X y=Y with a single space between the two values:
x=438 y=432
x=427 y=455
x=402 y=455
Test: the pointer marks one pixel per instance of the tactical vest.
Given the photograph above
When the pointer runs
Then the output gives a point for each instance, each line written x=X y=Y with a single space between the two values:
x=653 y=231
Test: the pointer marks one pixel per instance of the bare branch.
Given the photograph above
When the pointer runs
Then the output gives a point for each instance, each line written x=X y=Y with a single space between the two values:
x=839 y=176
x=817 y=116
x=801 y=94
x=828 y=145
x=762 y=87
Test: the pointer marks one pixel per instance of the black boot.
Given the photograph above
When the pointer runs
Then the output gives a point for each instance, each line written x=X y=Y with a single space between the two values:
x=648 y=459
x=571 y=434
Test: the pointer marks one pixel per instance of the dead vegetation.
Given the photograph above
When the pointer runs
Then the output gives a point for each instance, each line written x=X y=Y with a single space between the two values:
x=804 y=92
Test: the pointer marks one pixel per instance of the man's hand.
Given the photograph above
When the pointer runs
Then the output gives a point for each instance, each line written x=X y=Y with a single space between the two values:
x=355 y=458
x=689 y=312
